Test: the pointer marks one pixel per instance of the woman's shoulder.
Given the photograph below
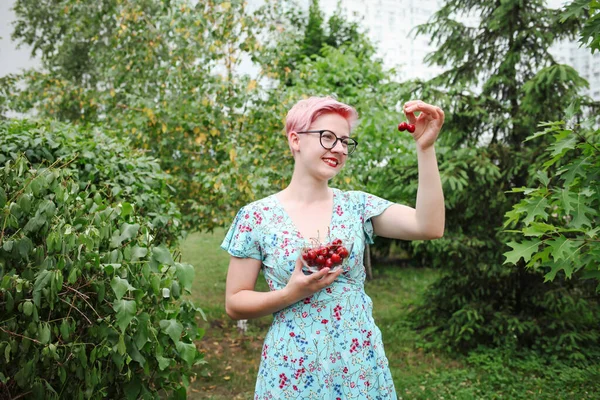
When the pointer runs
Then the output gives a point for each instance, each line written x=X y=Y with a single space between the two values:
x=351 y=195
x=260 y=205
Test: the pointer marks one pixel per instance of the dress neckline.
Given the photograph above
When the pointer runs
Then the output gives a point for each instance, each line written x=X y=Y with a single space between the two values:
x=293 y=224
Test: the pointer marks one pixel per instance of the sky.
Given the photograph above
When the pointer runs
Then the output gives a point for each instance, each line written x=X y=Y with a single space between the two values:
x=12 y=60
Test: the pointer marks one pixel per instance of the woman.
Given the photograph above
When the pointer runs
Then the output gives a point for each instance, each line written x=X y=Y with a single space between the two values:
x=323 y=343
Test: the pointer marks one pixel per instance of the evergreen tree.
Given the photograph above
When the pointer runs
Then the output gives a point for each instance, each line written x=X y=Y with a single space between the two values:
x=499 y=81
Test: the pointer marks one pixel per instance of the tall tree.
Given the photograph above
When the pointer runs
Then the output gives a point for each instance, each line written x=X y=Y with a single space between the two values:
x=499 y=81
x=560 y=234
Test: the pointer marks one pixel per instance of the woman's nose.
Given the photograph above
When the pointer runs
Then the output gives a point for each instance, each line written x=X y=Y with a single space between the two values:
x=338 y=147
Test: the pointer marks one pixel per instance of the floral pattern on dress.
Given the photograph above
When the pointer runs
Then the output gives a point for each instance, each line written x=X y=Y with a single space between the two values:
x=325 y=346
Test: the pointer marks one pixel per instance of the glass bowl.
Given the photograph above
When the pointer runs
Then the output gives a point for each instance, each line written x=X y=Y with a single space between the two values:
x=334 y=254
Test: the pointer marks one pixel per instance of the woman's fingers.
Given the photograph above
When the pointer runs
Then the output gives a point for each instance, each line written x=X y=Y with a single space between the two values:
x=299 y=264
x=417 y=105
x=317 y=276
x=328 y=280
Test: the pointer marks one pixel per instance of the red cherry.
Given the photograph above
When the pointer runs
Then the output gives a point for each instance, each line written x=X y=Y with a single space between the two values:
x=323 y=251
x=305 y=257
x=312 y=254
x=337 y=242
x=411 y=128
x=336 y=259
x=320 y=260
x=343 y=252
x=402 y=126
x=329 y=263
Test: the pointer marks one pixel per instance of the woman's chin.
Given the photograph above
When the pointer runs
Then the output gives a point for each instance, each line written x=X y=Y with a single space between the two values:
x=329 y=174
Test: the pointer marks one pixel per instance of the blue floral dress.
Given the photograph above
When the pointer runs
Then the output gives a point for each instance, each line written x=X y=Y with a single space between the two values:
x=326 y=346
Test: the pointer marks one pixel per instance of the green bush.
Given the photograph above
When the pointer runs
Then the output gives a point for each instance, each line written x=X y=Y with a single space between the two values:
x=90 y=293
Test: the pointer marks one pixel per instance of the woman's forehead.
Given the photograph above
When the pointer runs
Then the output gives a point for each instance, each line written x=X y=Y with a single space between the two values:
x=333 y=122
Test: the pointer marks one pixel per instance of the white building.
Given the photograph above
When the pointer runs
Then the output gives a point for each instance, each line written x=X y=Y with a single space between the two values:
x=580 y=58
x=389 y=24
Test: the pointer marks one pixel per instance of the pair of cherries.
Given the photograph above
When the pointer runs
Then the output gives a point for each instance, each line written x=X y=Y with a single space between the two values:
x=403 y=126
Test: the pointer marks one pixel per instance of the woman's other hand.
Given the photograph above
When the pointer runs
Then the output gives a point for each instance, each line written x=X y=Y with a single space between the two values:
x=427 y=125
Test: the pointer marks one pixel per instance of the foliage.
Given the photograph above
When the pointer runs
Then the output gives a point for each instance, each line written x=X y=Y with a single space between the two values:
x=499 y=81
x=559 y=213
x=90 y=292
x=590 y=10
x=161 y=73
x=165 y=75
x=558 y=217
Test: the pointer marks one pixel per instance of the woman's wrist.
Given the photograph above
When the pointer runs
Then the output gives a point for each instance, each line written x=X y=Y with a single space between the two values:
x=425 y=150
x=287 y=297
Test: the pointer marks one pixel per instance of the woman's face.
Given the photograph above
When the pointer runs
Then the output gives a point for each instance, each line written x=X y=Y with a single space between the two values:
x=317 y=160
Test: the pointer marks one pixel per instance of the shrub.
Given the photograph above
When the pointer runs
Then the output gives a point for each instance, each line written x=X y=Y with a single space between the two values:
x=91 y=295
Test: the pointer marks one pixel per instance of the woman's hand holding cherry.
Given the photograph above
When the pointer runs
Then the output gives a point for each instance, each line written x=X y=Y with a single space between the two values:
x=301 y=286
x=425 y=127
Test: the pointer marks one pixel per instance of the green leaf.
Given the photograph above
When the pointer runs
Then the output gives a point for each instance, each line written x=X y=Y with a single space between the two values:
x=120 y=287
x=543 y=177
x=162 y=255
x=41 y=281
x=126 y=209
x=132 y=388
x=125 y=310
x=121 y=349
x=62 y=374
x=141 y=336
x=25 y=246
x=138 y=253
x=2 y=198
x=524 y=250
x=44 y=332
x=569 y=200
x=577 y=168
x=563 y=145
x=34 y=224
x=555 y=267
x=64 y=329
x=538 y=229
x=134 y=353
x=581 y=209
x=185 y=274
x=163 y=362
x=535 y=207
x=172 y=328
x=562 y=248
x=27 y=308
x=127 y=232
x=187 y=352
x=73 y=276
x=10 y=302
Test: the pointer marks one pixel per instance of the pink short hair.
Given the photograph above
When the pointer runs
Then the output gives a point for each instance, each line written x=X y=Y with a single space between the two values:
x=306 y=111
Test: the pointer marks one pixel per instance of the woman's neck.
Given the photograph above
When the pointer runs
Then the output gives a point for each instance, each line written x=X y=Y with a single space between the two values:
x=304 y=188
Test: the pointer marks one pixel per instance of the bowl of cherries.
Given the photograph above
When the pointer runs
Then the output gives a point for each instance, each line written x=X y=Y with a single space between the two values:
x=332 y=255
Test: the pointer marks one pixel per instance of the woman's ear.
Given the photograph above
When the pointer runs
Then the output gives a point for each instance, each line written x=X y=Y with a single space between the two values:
x=294 y=141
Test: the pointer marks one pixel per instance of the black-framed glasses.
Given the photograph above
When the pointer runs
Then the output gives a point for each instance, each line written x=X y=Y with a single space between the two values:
x=329 y=140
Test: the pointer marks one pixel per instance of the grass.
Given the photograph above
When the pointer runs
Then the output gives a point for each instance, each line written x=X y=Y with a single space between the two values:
x=232 y=358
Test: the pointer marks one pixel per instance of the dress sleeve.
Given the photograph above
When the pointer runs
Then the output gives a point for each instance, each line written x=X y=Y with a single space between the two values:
x=242 y=239
x=372 y=207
